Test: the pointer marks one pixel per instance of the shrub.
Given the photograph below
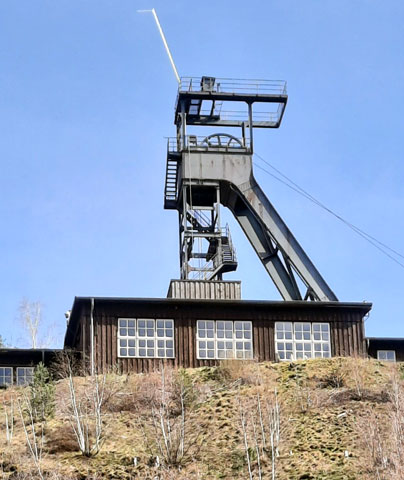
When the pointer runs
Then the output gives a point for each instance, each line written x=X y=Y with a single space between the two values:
x=42 y=394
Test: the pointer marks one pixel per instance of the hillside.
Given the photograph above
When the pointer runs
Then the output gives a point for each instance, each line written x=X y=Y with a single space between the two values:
x=341 y=418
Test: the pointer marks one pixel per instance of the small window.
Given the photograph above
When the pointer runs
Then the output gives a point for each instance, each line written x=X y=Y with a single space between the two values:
x=386 y=355
x=302 y=340
x=145 y=338
x=224 y=339
x=25 y=375
x=6 y=376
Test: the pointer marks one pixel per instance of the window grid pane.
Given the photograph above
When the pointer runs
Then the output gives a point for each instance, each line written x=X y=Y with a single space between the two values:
x=284 y=340
x=6 y=376
x=321 y=340
x=386 y=355
x=224 y=339
x=145 y=338
x=302 y=344
x=25 y=375
x=302 y=340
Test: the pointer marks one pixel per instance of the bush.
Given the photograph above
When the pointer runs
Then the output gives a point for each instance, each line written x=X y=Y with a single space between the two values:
x=42 y=394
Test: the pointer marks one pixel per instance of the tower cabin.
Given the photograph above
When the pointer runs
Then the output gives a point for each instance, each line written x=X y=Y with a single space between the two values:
x=203 y=320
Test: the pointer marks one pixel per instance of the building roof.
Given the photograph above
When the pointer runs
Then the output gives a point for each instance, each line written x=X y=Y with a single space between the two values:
x=26 y=356
x=28 y=350
x=385 y=339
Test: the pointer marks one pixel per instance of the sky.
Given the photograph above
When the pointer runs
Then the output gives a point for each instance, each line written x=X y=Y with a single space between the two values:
x=86 y=101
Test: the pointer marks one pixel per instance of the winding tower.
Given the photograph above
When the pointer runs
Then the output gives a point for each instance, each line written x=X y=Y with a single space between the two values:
x=206 y=171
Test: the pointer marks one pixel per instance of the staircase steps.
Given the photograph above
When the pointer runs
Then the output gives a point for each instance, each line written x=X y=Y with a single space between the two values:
x=170 y=189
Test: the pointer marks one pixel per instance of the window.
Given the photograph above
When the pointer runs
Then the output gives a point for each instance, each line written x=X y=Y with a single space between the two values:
x=6 y=376
x=25 y=375
x=224 y=339
x=300 y=340
x=386 y=355
x=145 y=338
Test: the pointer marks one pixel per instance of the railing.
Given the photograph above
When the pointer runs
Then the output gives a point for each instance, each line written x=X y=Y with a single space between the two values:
x=232 y=85
x=203 y=143
x=205 y=272
x=242 y=116
x=231 y=246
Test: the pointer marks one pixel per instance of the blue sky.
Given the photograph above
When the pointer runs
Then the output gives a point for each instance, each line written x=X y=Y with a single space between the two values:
x=86 y=99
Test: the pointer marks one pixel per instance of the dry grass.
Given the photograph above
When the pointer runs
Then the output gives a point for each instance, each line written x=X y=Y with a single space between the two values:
x=335 y=415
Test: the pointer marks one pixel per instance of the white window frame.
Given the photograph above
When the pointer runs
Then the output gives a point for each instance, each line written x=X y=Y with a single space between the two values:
x=385 y=353
x=3 y=376
x=146 y=334
x=224 y=340
x=24 y=376
x=302 y=340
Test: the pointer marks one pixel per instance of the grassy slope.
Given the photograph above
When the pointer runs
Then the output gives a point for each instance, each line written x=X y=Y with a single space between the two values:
x=324 y=404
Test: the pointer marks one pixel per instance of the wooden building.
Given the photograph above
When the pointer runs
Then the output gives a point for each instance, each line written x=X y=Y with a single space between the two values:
x=17 y=364
x=386 y=349
x=138 y=334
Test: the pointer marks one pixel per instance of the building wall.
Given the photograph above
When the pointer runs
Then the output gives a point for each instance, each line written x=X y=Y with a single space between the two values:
x=346 y=328
x=18 y=357
x=202 y=289
x=376 y=344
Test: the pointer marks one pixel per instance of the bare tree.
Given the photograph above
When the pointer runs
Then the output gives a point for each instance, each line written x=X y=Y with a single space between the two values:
x=382 y=435
x=86 y=414
x=260 y=426
x=30 y=318
x=169 y=432
x=244 y=425
x=397 y=425
x=9 y=421
x=34 y=433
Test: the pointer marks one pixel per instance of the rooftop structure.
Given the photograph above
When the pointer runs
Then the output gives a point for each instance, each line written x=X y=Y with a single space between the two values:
x=205 y=172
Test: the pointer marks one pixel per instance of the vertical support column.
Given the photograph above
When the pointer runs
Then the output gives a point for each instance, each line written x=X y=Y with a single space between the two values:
x=243 y=133
x=217 y=226
x=182 y=131
x=92 y=336
x=250 y=125
x=184 y=266
x=183 y=126
x=181 y=235
x=179 y=146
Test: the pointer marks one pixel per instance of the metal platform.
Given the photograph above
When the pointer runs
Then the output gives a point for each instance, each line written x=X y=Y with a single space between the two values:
x=202 y=98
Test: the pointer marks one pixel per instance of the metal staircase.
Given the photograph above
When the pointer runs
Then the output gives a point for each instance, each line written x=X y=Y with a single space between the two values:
x=170 y=189
x=222 y=256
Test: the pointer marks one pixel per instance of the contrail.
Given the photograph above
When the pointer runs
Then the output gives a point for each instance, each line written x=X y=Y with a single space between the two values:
x=153 y=11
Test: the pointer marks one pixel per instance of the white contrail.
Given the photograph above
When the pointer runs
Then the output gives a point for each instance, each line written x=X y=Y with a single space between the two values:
x=153 y=11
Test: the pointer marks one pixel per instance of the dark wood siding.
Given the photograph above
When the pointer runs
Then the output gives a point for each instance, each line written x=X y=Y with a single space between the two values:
x=17 y=357
x=346 y=328
x=396 y=344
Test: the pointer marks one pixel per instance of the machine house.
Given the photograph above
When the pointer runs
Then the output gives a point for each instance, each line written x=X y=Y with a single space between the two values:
x=139 y=334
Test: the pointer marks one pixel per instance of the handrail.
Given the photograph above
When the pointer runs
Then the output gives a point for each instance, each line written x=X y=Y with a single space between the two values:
x=230 y=85
x=196 y=143
x=242 y=115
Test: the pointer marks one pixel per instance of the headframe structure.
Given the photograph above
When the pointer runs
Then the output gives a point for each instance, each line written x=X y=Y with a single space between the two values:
x=204 y=172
